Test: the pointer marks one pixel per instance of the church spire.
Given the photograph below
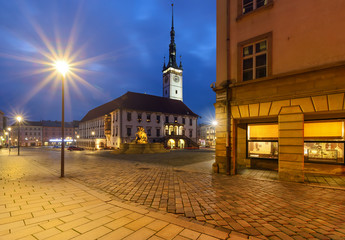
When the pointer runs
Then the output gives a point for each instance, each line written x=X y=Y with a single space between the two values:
x=172 y=46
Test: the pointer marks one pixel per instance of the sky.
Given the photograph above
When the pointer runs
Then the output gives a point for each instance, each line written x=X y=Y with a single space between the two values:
x=112 y=46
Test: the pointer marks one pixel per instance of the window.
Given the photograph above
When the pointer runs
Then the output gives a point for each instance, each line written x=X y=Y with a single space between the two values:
x=250 y=5
x=254 y=61
x=176 y=91
x=116 y=116
x=190 y=133
x=158 y=118
x=139 y=117
x=191 y=122
x=166 y=119
x=183 y=120
x=255 y=58
x=158 y=132
x=116 y=130
x=262 y=141
x=129 y=132
x=183 y=132
x=148 y=117
x=129 y=116
x=149 y=132
x=175 y=119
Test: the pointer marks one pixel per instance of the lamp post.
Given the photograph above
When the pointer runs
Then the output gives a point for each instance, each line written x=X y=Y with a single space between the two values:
x=62 y=67
x=93 y=137
x=77 y=139
x=9 y=140
x=19 y=119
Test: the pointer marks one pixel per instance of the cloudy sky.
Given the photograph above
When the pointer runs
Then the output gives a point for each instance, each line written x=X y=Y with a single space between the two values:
x=115 y=46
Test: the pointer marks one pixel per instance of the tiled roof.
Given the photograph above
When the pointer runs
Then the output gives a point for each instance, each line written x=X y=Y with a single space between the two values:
x=140 y=102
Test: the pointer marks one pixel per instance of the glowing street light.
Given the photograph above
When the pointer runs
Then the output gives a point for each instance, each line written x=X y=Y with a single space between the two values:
x=19 y=119
x=62 y=67
x=214 y=123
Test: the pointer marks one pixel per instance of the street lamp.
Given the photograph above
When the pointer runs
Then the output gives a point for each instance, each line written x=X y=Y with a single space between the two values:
x=19 y=119
x=93 y=136
x=62 y=67
x=77 y=139
x=9 y=139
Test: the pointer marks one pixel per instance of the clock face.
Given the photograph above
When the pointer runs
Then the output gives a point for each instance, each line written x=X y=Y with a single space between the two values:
x=176 y=78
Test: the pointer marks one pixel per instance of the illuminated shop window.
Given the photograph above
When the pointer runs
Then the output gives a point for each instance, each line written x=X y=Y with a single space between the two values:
x=326 y=152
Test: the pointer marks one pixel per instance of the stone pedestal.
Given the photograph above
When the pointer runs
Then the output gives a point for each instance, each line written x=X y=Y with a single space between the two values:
x=135 y=148
x=291 y=144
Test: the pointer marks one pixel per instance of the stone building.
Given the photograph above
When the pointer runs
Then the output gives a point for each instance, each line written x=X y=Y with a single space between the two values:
x=164 y=120
x=207 y=135
x=280 y=86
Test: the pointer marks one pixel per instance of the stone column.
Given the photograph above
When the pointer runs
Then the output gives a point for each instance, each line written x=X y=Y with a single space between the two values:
x=221 y=133
x=291 y=144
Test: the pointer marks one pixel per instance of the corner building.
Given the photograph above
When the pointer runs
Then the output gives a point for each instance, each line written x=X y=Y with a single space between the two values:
x=280 y=87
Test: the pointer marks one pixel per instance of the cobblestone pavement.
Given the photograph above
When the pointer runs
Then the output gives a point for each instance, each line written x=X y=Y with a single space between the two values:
x=263 y=208
x=35 y=204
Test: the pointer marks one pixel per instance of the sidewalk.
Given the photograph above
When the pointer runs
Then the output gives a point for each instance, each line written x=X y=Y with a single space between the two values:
x=36 y=204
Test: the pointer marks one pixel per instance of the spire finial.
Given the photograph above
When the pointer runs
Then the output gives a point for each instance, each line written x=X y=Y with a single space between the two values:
x=172 y=15
x=180 y=62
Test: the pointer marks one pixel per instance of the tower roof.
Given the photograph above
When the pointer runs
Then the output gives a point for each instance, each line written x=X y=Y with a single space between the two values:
x=172 y=46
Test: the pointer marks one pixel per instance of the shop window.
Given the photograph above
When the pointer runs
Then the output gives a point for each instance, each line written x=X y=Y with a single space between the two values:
x=262 y=141
x=263 y=149
x=324 y=152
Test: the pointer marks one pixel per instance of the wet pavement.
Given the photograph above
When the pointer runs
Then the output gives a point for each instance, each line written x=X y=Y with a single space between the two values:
x=181 y=183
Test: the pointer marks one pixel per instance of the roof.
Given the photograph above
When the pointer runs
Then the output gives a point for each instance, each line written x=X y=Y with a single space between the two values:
x=47 y=123
x=57 y=124
x=141 y=102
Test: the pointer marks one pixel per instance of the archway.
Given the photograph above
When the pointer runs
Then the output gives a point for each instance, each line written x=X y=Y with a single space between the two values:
x=181 y=143
x=171 y=143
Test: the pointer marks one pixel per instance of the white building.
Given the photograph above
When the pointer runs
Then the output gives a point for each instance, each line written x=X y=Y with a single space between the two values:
x=164 y=120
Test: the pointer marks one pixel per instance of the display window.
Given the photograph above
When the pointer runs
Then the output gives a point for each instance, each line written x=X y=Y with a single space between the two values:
x=324 y=141
x=262 y=141
x=263 y=149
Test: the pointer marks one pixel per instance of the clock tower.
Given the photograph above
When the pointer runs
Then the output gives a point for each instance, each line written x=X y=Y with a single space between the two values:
x=172 y=73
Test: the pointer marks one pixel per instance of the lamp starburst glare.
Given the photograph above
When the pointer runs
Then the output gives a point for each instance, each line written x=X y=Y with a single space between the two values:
x=62 y=67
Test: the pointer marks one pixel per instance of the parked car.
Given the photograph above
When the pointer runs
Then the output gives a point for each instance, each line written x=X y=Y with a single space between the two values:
x=74 y=148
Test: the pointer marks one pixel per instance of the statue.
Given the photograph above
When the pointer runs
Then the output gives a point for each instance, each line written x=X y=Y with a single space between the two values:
x=140 y=136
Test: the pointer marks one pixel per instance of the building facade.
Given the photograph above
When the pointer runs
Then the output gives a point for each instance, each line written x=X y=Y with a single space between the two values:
x=164 y=120
x=42 y=133
x=207 y=135
x=280 y=87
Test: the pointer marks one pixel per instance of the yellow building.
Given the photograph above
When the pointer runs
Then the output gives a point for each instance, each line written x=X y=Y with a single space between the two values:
x=280 y=86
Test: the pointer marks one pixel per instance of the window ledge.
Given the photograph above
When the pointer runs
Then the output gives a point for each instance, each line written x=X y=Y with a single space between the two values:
x=255 y=11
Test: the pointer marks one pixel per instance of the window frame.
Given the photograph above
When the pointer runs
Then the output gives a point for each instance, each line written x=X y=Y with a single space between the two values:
x=253 y=41
x=256 y=9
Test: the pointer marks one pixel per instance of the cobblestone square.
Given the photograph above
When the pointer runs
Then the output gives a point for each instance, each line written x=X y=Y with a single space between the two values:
x=182 y=184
